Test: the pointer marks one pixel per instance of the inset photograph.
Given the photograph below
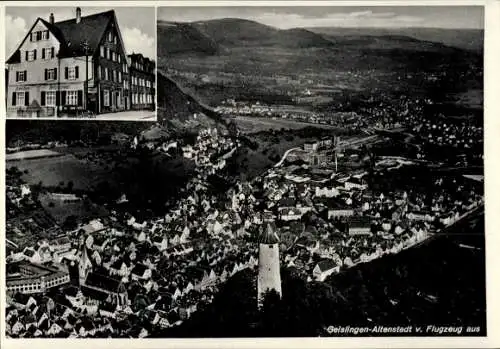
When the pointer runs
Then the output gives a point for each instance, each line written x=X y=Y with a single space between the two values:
x=82 y=62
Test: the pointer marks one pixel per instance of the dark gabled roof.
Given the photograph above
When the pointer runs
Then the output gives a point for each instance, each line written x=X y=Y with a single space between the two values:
x=21 y=298
x=173 y=316
x=139 y=269
x=94 y=294
x=72 y=35
x=103 y=282
x=106 y=306
x=326 y=265
x=117 y=264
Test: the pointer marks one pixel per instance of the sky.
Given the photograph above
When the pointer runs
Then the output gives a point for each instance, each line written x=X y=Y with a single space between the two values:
x=338 y=16
x=137 y=24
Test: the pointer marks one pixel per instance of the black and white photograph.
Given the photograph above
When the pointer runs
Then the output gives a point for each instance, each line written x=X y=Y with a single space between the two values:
x=310 y=171
x=81 y=62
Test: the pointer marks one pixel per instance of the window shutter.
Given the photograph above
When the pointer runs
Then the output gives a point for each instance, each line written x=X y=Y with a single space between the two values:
x=80 y=98
x=55 y=73
x=76 y=72
x=66 y=73
x=25 y=75
x=43 y=98
x=17 y=76
x=26 y=58
x=51 y=52
x=43 y=53
x=31 y=36
x=26 y=98
x=48 y=34
x=58 y=98
x=46 y=73
x=13 y=98
x=34 y=54
x=63 y=97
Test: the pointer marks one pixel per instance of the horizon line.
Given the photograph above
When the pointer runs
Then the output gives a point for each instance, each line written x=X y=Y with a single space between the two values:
x=320 y=26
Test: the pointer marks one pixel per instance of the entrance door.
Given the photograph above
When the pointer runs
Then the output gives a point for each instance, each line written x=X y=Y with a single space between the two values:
x=117 y=100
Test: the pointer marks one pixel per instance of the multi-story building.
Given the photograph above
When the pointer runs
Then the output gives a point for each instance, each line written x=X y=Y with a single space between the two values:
x=61 y=67
x=26 y=277
x=142 y=81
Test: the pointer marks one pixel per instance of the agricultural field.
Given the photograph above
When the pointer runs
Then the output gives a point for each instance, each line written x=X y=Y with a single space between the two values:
x=59 y=171
x=248 y=124
x=31 y=154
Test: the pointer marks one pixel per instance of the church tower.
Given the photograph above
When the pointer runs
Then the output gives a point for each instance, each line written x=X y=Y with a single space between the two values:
x=269 y=264
x=84 y=265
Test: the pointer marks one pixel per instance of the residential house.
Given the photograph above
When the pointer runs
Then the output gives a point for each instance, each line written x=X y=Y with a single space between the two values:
x=75 y=64
x=325 y=268
x=359 y=225
x=113 y=288
x=141 y=82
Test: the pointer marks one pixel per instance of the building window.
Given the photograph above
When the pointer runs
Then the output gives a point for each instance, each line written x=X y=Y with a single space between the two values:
x=102 y=52
x=110 y=37
x=48 y=53
x=106 y=98
x=119 y=76
x=20 y=98
x=21 y=75
x=30 y=55
x=106 y=73
x=71 y=97
x=50 y=98
x=119 y=58
x=39 y=35
x=51 y=74
x=72 y=73
x=115 y=39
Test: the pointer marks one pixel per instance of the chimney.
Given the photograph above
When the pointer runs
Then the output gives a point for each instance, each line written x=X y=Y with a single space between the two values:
x=51 y=18
x=78 y=15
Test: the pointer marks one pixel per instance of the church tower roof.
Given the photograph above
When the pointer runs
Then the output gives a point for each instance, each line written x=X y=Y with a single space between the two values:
x=269 y=236
x=84 y=258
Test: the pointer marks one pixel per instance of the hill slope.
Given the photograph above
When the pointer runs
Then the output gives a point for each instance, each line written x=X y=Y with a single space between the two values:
x=468 y=39
x=214 y=36
x=177 y=108
x=177 y=38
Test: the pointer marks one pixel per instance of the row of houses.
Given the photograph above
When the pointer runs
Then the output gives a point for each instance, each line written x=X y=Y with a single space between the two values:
x=77 y=64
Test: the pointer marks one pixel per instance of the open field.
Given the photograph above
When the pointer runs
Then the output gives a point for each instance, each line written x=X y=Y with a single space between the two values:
x=31 y=154
x=59 y=170
x=248 y=124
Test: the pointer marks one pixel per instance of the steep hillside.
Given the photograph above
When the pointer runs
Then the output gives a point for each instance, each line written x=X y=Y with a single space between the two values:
x=233 y=32
x=179 y=109
x=178 y=38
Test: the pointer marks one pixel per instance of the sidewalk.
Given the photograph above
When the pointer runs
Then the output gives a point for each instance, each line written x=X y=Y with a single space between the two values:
x=129 y=115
